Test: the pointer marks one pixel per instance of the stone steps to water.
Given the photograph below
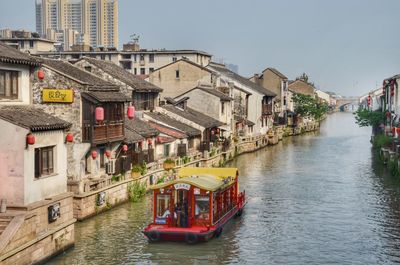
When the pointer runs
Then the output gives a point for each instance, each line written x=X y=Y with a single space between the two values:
x=4 y=221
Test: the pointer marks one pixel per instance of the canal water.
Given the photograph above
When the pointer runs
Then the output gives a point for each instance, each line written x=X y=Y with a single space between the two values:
x=320 y=198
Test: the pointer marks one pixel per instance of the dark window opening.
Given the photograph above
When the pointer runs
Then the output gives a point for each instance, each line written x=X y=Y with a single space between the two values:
x=44 y=161
x=151 y=58
x=177 y=74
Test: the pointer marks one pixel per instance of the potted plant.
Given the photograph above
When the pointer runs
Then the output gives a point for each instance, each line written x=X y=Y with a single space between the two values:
x=136 y=171
x=168 y=164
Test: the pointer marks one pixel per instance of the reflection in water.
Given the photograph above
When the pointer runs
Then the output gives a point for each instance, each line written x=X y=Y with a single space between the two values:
x=314 y=199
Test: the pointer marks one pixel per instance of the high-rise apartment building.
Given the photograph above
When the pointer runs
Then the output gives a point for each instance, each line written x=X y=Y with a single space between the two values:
x=101 y=22
x=93 y=22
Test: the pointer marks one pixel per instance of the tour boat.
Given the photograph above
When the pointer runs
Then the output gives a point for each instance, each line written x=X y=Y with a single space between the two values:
x=196 y=205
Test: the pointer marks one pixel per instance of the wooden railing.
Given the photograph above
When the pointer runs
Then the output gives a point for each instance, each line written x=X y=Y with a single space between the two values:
x=267 y=109
x=103 y=133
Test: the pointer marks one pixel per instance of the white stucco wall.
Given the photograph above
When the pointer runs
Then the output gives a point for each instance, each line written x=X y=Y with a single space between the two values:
x=47 y=186
x=254 y=104
x=17 y=165
x=322 y=95
x=12 y=146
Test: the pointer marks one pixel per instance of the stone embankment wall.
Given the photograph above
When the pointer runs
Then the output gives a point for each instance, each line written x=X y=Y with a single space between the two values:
x=30 y=238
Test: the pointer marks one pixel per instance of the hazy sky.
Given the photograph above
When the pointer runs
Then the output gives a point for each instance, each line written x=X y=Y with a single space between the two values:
x=346 y=46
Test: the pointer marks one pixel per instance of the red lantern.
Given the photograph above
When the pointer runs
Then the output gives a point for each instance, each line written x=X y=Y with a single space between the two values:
x=217 y=130
x=108 y=153
x=398 y=130
x=149 y=142
x=99 y=114
x=393 y=130
x=125 y=148
x=158 y=139
x=69 y=138
x=30 y=139
x=94 y=154
x=388 y=115
x=40 y=74
x=131 y=112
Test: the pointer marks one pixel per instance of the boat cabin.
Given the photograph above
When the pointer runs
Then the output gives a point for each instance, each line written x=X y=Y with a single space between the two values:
x=199 y=201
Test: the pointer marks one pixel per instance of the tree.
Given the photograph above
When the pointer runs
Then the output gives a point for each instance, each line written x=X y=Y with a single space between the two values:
x=303 y=77
x=366 y=117
x=308 y=106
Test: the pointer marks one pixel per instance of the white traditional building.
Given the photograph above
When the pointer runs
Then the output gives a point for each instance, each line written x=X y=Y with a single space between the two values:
x=33 y=155
x=259 y=100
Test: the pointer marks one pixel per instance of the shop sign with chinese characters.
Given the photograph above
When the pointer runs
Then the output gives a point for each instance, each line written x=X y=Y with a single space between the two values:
x=58 y=95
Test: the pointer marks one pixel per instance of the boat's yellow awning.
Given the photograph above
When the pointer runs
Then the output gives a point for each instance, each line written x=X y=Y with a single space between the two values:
x=210 y=179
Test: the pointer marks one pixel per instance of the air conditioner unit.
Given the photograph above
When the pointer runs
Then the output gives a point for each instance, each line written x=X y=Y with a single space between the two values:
x=110 y=167
x=139 y=114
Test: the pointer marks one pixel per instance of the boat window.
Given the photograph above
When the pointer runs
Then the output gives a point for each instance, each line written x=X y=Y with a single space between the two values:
x=162 y=205
x=202 y=207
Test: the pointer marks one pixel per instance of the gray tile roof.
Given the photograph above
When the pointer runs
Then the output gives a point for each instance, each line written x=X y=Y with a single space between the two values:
x=275 y=72
x=124 y=76
x=163 y=118
x=131 y=136
x=212 y=91
x=11 y=55
x=32 y=118
x=240 y=119
x=141 y=127
x=79 y=74
x=194 y=116
x=238 y=78
x=186 y=61
x=106 y=96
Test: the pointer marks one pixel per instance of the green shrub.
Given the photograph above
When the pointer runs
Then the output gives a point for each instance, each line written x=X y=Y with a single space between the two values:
x=161 y=180
x=143 y=168
x=381 y=140
x=169 y=161
x=136 y=191
x=185 y=159
x=213 y=152
x=137 y=169
x=116 y=178
x=394 y=168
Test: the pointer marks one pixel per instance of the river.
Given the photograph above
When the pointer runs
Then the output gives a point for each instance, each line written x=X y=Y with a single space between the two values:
x=319 y=198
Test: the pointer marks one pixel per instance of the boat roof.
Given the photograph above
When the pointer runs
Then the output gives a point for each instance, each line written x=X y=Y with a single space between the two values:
x=210 y=179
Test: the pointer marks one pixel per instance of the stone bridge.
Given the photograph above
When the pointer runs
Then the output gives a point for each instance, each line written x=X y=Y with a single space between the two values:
x=349 y=104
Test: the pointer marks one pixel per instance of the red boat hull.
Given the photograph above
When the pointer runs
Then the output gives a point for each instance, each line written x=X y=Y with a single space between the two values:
x=194 y=234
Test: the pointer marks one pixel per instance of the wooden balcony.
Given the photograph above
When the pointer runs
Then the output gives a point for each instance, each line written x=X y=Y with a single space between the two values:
x=267 y=109
x=97 y=134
